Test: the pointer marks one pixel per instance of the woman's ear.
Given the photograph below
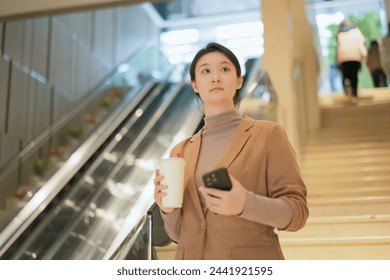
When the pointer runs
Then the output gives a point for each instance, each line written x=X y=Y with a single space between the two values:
x=240 y=81
x=194 y=86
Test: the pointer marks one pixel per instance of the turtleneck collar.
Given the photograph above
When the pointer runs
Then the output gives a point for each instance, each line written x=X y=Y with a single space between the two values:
x=221 y=119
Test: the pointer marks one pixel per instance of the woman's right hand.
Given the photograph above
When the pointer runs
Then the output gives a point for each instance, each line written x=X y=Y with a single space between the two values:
x=159 y=192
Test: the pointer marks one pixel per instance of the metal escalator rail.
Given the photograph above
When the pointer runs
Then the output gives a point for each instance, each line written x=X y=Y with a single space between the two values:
x=125 y=246
x=188 y=123
x=42 y=227
x=143 y=234
x=118 y=164
x=140 y=237
x=41 y=230
x=139 y=140
x=55 y=184
x=141 y=137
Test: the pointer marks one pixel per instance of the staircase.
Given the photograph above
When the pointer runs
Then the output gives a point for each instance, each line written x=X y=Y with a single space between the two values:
x=346 y=167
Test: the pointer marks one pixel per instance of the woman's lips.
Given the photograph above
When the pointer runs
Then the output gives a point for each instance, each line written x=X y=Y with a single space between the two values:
x=216 y=88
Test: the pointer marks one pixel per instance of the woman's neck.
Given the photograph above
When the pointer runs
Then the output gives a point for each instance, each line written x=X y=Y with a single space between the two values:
x=216 y=110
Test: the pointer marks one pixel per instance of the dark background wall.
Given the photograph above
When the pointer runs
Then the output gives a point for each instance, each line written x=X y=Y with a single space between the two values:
x=49 y=63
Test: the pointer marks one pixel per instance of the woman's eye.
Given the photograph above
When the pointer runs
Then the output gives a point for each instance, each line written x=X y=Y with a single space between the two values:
x=225 y=69
x=205 y=71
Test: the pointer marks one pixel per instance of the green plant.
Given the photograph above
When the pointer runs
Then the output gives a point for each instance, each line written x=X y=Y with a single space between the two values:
x=105 y=102
x=75 y=131
x=41 y=166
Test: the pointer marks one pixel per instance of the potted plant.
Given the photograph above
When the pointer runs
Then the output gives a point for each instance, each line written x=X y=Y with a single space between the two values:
x=41 y=166
x=105 y=102
x=75 y=131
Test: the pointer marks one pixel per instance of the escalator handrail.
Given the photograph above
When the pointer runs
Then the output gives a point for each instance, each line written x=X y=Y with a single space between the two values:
x=155 y=118
x=146 y=129
x=121 y=248
x=55 y=184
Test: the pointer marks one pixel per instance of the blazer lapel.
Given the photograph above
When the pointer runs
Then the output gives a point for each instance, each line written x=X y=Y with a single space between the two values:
x=237 y=143
x=192 y=153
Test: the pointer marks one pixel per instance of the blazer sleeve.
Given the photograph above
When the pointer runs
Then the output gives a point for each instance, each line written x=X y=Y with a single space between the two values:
x=172 y=223
x=284 y=179
x=284 y=205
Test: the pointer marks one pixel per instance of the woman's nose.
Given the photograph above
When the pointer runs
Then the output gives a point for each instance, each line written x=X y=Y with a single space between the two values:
x=216 y=79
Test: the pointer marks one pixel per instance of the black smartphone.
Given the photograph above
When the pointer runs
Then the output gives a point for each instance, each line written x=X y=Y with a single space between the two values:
x=218 y=179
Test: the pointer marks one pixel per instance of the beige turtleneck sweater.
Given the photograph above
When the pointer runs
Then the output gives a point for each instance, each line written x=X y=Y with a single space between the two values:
x=216 y=135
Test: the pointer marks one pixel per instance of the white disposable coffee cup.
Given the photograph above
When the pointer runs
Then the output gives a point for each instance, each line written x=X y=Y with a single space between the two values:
x=173 y=170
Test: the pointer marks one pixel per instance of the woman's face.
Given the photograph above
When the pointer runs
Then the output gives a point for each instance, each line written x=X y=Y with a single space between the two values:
x=216 y=80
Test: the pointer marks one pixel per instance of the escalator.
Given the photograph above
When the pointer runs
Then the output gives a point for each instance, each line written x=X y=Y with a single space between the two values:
x=83 y=221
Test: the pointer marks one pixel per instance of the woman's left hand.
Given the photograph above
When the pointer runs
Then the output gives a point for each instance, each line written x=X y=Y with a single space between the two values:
x=225 y=202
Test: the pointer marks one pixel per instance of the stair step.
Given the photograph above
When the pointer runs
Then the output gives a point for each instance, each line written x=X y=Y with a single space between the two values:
x=358 y=129
x=347 y=172
x=342 y=226
x=341 y=132
x=343 y=206
x=371 y=96
x=344 y=185
x=308 y=166
x=341 y=192
x=346 y=154
x=166 y=252
x=354 y=124
x=355 y=114
x=355 y=117
x=344 y=248
x=354 y=141
x=348 y=181
x=346 y=167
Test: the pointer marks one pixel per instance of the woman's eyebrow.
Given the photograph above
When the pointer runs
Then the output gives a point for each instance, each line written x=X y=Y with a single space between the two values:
x=204 y=64
x=226 y=62
x=222 y=62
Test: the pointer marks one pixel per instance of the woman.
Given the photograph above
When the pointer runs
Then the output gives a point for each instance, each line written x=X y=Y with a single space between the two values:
x=351 y=51
x=268 y=191
x=374 y=66
x=385 y=52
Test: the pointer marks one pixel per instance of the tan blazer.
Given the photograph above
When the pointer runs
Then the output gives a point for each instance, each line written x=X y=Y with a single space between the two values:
x=262 y=159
